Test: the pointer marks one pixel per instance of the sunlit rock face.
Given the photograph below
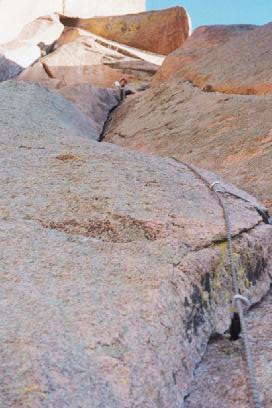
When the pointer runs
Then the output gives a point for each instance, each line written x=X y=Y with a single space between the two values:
x=22 y=12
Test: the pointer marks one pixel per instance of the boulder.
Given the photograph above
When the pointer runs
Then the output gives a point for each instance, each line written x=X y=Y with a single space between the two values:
x=96 y=103
x=86 y=59
x=114 y=267
x=36 y=111
x=228 y=134
x=239 y=66
x=203 y=40
x=156 y=31
x=35 y=39
x=83 y=60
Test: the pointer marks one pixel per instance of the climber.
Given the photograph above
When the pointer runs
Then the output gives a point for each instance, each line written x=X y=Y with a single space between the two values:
x=121 y=85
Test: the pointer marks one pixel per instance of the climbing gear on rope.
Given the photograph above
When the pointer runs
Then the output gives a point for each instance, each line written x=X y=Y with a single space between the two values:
x=237 y=298
x=242 y=298
x=261 y=210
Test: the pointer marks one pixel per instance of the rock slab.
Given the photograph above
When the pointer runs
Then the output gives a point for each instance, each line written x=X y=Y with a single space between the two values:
x=240 y=65
x=156 y=31
x=228 y=134
x=113 y=268
x=37 y=111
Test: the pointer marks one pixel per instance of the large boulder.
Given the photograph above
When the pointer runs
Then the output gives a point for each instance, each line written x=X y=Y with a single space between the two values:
x=35 y=39
x=83 y=60
x=203 y=40
x=80 y=57
x=157 y=31
x=114 y=270
x=37 y=111
x=239 y=66
x=228 y=134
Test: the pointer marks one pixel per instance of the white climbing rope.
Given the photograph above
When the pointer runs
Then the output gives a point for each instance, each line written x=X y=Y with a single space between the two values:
x=237 y=298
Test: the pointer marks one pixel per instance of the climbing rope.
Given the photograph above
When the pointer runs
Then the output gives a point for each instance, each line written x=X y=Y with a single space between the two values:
x=238 y=300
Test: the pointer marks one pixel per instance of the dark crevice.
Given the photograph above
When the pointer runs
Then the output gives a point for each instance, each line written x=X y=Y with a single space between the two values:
x=216 y=338
x=108 y=121
x=224 y=240
x=47 y=70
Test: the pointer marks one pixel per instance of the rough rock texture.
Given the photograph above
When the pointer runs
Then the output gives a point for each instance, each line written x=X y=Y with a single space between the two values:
x=228 y=134
x=35 y=38
x=157 y=31
x=31 y=109
x=114 y=271
x=8 y=68
x=202 y=41
x=83 y=60
x=134 y=66
x=240 y=66
x=211 y=382
x=96 y=103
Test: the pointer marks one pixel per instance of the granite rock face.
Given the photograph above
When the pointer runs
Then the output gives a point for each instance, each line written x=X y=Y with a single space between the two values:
x=239 y=66
x=84 y=61
x=202 y=41
x=113 y=266
x=36 y=111
x=228 y=134
x=96 y=103
x=160 y=31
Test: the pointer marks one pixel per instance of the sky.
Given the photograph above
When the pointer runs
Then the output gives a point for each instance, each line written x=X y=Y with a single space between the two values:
x=205 y=12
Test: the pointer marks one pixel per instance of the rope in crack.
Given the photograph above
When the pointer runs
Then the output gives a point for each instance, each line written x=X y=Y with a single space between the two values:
x=238 y=300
